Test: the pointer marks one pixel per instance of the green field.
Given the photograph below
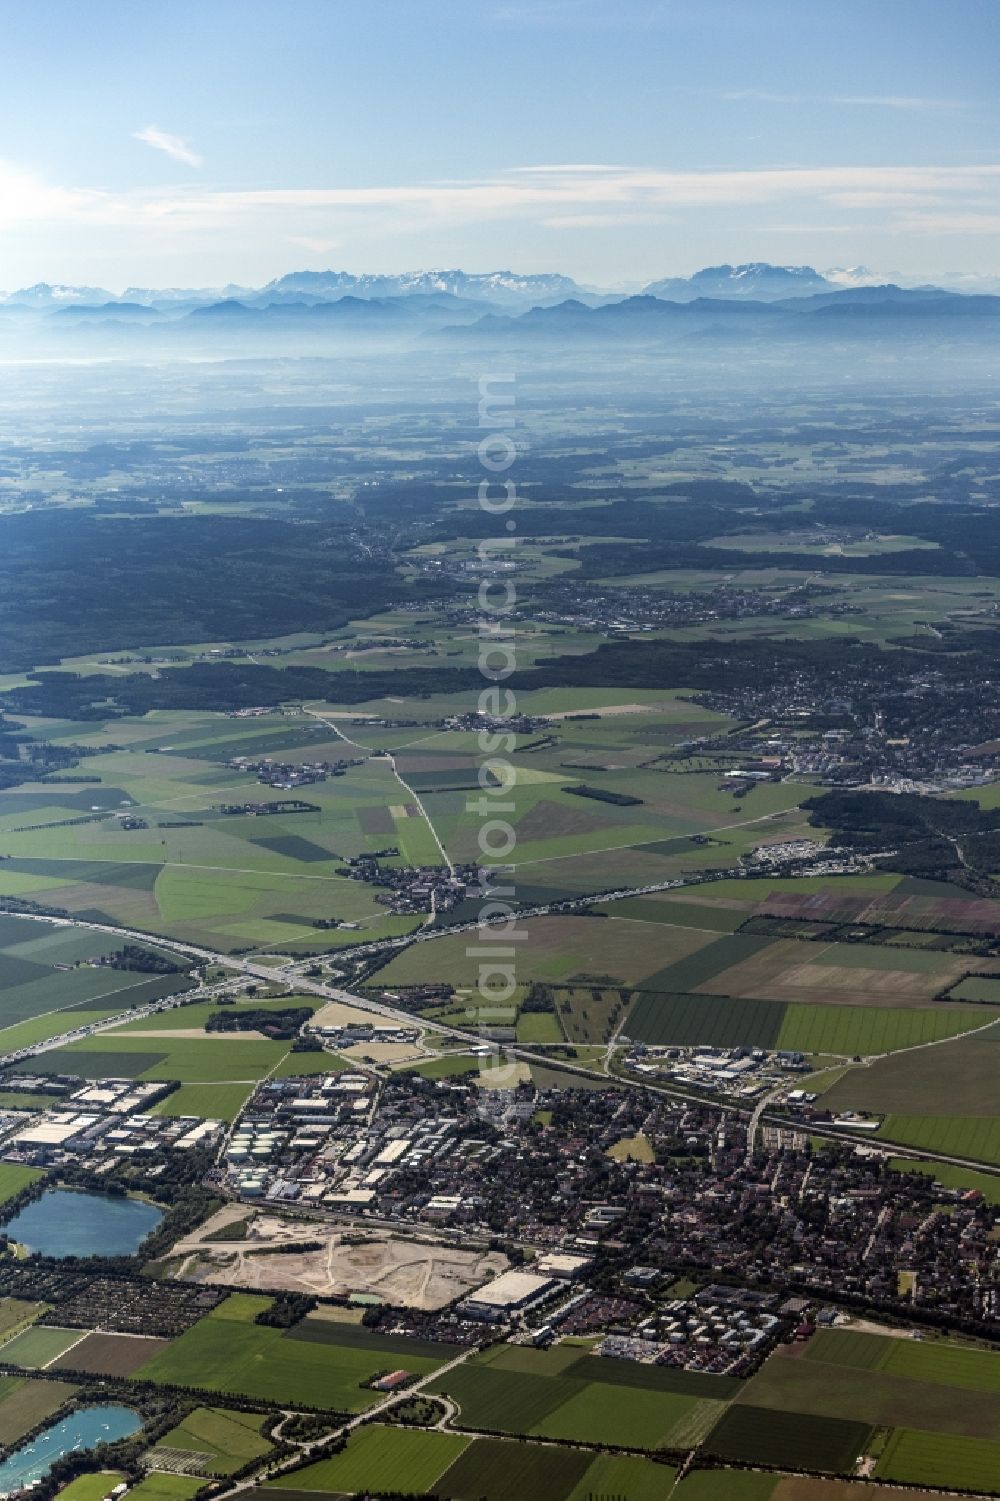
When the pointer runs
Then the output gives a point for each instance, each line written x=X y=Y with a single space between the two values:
x=881 y=1029
x=909 y=1385
x=226 y=1439
x=722 y=1021
x=953 y=1136
x=326 y=1332
x=686 y=1020
x=14 y=1177
x=227 y=1352
x=638 y=1479
x=159 y=1486
x=946 y=1362
x=983 y=988
x=559 y=949
x=680 y=914
x=194 y=873
x=209 y=1101
x=632 y=1418
x=16 y=1313
x=758 y=1435
x=239 y=882
x=448 y=1066
x=538 y=1026
x=949 y=1176
x=26 y=1401
x=45 y=970
x=957 y=1077
x=495 y=1470
x=706 y=963
x=53 y=1024
x=918 y=961
x=90 y=988
x=940 y=1459
x=381 y=1458
x=92 y=1487
x=39 y=1345
x=219 y=1058
x=19 y=1100
x=560 y=1394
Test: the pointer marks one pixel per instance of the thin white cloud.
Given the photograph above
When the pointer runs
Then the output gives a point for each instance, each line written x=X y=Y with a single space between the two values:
x=567 y=167
x=814 y=229
x=586 y=189
x=954 y=224
x=583 y=196
x=176 y=147
x=314 y=245
x=864 y=101
x=615 y=220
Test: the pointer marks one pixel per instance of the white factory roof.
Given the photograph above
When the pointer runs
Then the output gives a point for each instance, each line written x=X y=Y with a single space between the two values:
x=96 y=1096
x=392 y=1153
x=357 y=1196
x=53 y=1130
x=562 y=1264
x=511 y=1289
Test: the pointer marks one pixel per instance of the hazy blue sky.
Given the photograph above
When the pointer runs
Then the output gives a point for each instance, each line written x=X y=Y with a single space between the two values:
x=199 y=141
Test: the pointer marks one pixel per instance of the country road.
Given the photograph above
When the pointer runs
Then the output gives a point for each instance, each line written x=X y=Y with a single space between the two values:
x=341 y=1430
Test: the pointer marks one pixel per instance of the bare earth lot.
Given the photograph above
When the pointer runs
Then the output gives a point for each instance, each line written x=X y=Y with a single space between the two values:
x=412 y=1273
x=805 y=1488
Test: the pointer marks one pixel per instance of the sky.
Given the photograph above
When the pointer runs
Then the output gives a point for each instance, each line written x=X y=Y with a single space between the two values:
x=617 y=141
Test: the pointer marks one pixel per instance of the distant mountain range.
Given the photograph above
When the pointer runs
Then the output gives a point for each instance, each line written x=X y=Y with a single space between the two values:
x=508 y=290
x=654 y=321
x=757 y=280
x=321 y=311
x=499 y=288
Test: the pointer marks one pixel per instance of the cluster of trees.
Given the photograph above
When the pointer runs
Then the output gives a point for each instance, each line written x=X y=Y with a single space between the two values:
x=287 y=1309
x=603 y=795
x=538 y=998
x=673 y=535
x=302 y=1427
x=940 y=838
x=278 y=1023
x=147 y=961
x=23 y=759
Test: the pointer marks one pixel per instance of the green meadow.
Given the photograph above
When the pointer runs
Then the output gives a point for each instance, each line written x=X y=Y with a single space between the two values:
x=227 y=1352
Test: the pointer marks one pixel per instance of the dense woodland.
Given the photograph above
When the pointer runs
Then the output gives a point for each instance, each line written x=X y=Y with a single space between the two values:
x=74 y=583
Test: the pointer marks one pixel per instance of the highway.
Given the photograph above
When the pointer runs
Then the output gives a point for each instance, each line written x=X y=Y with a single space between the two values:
x=290 y=974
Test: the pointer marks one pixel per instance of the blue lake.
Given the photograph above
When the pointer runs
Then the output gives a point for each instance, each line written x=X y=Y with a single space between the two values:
x=81 y=1430
x=68 y=1222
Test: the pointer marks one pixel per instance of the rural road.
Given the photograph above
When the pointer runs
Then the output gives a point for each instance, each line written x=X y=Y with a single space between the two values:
x=342 y=1430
